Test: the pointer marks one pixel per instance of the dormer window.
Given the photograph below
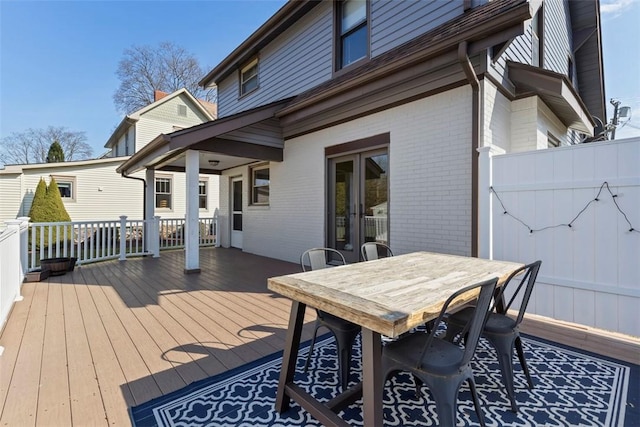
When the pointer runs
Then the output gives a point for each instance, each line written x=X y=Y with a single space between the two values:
x=352 y=32
x=249 y=77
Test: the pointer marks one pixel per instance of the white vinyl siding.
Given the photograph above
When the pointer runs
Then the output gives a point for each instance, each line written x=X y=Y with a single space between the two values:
x=102 y=194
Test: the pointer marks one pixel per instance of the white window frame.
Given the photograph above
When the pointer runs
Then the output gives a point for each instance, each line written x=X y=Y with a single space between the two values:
x=71 y=181
x=169 y=206
x=246 y=77
x=255 y=187
x=204 y=181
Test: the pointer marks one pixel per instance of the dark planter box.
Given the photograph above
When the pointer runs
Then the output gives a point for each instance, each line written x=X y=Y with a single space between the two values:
x=56 y=266
x=36 y=275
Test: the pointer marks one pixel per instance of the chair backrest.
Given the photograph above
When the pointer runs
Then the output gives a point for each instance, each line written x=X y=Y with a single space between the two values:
x=527 y=276
x=474 y=327
x=371 y=250
x=317 y=258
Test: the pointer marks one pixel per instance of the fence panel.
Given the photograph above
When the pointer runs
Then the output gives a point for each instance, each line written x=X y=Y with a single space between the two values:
x=591 y=269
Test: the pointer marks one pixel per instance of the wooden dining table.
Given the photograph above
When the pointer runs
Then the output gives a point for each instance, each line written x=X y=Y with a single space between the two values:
x=389 y=296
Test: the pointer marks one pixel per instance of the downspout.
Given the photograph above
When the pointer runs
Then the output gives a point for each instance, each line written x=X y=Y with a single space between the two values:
x=465 y=62
x=144 y=204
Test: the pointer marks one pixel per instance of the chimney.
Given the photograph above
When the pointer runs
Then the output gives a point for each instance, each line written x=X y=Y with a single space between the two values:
x=158 y=94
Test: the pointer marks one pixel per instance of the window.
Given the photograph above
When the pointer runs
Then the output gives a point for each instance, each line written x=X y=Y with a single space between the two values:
x=552 y=141
x=202 y=194
x=163 y=193
x=537 y=39
x=182 y=110
x=66 y=186
x=352 y=33
x=260 y=185
x=249 y=77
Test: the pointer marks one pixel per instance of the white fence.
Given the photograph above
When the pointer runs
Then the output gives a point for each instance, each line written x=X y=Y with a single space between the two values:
x=12 y=266
x=591 y=269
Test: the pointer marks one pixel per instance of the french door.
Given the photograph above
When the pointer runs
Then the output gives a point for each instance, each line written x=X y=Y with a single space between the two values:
x=358 y=201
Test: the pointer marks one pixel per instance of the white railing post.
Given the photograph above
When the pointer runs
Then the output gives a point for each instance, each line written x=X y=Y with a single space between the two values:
x=216 y=230
x=15 y=272
x=485 y=200
x=123 y=238
x=154 y=244
x=24 y=243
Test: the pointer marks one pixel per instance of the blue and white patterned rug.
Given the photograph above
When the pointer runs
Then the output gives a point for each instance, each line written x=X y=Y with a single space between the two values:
x=571 y=388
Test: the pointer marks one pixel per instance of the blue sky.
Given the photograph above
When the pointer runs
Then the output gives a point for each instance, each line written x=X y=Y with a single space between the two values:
x=58 y=59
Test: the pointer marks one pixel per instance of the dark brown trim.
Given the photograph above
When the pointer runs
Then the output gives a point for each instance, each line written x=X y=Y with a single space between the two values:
x=170 y=168
x=465 y=62
x=359 y=144
x=379 y=109
x=192 y=270
x=239 y=149
x=466 y=5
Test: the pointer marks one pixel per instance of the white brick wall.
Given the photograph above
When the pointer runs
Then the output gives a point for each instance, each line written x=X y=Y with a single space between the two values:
x=430 y=182
x=496 y=113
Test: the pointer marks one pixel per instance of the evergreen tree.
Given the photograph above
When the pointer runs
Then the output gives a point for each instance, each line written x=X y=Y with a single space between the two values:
x=56 y=153
x=54 y=202
x=47 y=206
x=38 y=211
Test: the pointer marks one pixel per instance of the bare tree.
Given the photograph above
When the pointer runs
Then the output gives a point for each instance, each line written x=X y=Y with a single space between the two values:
x=145 y=69
x=32 y=145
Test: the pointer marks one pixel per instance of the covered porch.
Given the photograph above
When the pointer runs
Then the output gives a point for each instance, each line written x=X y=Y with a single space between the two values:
x=83 y=348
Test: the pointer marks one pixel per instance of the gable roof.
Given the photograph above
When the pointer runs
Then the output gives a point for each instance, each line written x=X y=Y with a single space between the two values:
x=132 y=118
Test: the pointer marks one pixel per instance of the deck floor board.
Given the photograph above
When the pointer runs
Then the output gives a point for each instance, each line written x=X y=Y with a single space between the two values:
x=82 y=348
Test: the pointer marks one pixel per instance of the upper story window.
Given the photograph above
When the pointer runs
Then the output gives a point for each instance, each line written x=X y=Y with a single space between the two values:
x=352 y=32
x=260 y=185
x=182 y=110
x=249 y=77
x=537 y=38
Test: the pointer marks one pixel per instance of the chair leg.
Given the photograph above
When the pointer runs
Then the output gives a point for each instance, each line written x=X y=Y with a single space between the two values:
x=445 y=395
x=476 y=401
x=523 y=361
x=504 y=351
x=344 y=343
x=313 y=341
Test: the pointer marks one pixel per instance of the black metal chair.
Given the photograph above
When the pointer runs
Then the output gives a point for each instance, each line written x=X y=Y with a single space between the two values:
x=344 y=331
x=375 y=250
x=502 y=331
x=442 y=365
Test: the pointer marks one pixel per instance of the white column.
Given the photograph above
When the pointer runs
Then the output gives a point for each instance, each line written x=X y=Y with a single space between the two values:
x=192 y=228
x=149 y=207
x=485 y=200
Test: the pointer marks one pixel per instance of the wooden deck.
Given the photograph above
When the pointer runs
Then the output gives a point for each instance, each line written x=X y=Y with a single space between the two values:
x=82 y=348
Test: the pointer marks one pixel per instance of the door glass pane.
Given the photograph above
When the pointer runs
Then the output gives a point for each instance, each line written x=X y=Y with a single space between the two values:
x=376 y=173
x=237 y=205
x=344 y=203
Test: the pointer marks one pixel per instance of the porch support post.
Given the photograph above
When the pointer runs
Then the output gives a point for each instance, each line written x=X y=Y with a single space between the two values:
x=485 y=200
x=192 y=228
x=149 y=210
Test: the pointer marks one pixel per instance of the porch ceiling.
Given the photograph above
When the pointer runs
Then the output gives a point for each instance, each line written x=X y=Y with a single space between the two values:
x=556 y=92
x=236 y=140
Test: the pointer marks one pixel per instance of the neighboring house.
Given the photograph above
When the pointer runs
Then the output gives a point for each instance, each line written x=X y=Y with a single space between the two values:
x=93 y=190
x=333 y=109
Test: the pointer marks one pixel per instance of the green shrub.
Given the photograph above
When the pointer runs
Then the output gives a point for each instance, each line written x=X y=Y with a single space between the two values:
x=47 y=206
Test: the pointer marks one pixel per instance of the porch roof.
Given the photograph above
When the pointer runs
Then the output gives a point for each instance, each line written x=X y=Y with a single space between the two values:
x=239 y=139
x=556 y=92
